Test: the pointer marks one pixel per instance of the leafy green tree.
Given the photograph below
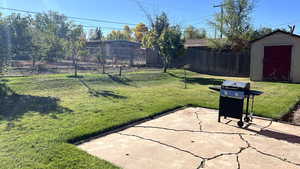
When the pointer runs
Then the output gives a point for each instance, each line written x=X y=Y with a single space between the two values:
x=165 y=39
x=56 y=49
x=255 y=34
x=5 y=44
x=236 y=22
x=117 y=35
x=76 y=45
x=193 y=33
x=26 y=40
x=55 y=29
x=20 y=34
x=99 y=52
x=53 y=22
x=170 y=45
x=38 y=49
x=127 y=32
x=160 y=23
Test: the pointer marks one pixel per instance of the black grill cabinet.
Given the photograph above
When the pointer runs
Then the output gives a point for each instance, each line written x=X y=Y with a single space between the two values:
x=232 y=95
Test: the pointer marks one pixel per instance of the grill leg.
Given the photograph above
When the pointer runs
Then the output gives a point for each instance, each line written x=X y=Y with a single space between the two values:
x=219 y=118
x=247 y=107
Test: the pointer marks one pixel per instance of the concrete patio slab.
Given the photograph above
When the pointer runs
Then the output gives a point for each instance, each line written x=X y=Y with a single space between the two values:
x=192 y=138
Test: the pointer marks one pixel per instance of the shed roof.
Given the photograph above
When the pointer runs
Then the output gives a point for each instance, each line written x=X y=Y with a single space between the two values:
x=274 y=32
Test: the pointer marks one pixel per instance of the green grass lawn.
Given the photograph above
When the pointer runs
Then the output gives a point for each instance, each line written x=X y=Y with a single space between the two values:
x=40 y=114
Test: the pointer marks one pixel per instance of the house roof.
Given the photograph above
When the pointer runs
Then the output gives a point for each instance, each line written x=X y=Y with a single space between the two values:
x=112 y=41
x=274 y=32
x=196 y=43
x=94 y=43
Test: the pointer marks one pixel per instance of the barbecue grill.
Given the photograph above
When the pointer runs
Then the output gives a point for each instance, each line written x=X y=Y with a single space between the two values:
x=232 y=96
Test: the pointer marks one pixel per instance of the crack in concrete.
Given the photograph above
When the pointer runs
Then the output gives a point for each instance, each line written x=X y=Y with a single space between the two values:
x=266 y=154
x=192 y=131
x=238 y=162
x=248 y=146
x=226 y=154
x=205 y=159
x=274 y=156
x=199 y=121
x=164 y=144
x=202 y=164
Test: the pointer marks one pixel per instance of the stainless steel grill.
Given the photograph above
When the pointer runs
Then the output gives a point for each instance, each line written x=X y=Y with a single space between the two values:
x=232 y=96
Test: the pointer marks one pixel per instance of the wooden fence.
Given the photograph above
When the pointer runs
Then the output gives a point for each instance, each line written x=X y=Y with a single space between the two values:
x=208 y=61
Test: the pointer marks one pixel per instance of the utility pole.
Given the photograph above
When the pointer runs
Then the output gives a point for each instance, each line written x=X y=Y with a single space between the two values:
x=222 y=17
x=215 y=32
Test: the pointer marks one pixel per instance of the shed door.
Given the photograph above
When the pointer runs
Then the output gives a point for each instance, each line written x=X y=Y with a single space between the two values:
x=277 y=63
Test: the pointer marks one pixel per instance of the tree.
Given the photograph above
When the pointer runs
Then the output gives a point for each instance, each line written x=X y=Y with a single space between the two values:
x=55 y=29
x=139 y=32
x=20 y=34
x=38 y=50
x=53 y=22
x=96 y=34
x=99 y=52
x=236 y=22
x=170 y=45
x=117 y=35
x=193 y=33
x=77 y=44
x=160 y=24
x=255 y=34
x=127 y=32
x=5 y=44
x=165 y=39
x=56 y=49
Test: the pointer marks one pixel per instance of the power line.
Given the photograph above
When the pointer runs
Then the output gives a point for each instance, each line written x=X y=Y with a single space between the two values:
x=101 y=27
x=70 y=17
x=87 y=26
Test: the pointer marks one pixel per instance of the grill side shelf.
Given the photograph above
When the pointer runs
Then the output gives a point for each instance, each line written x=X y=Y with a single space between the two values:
x=215 y=88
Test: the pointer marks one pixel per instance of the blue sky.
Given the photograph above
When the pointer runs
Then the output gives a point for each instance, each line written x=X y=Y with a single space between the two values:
x=271 y=13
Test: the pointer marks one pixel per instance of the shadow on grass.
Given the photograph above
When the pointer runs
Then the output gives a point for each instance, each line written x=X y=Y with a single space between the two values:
x=204 y=81
x=120 y=80
x=75 y=77
x=102 y=93
x=3 y=80
x=14 y=106
x=199 y=80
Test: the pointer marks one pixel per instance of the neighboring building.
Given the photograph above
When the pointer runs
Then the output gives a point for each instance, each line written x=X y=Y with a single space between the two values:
x=117 y=50
x=200 y=43
x=276 y=57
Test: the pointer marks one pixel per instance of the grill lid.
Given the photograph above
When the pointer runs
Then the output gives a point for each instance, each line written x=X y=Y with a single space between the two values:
x=233 y=84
